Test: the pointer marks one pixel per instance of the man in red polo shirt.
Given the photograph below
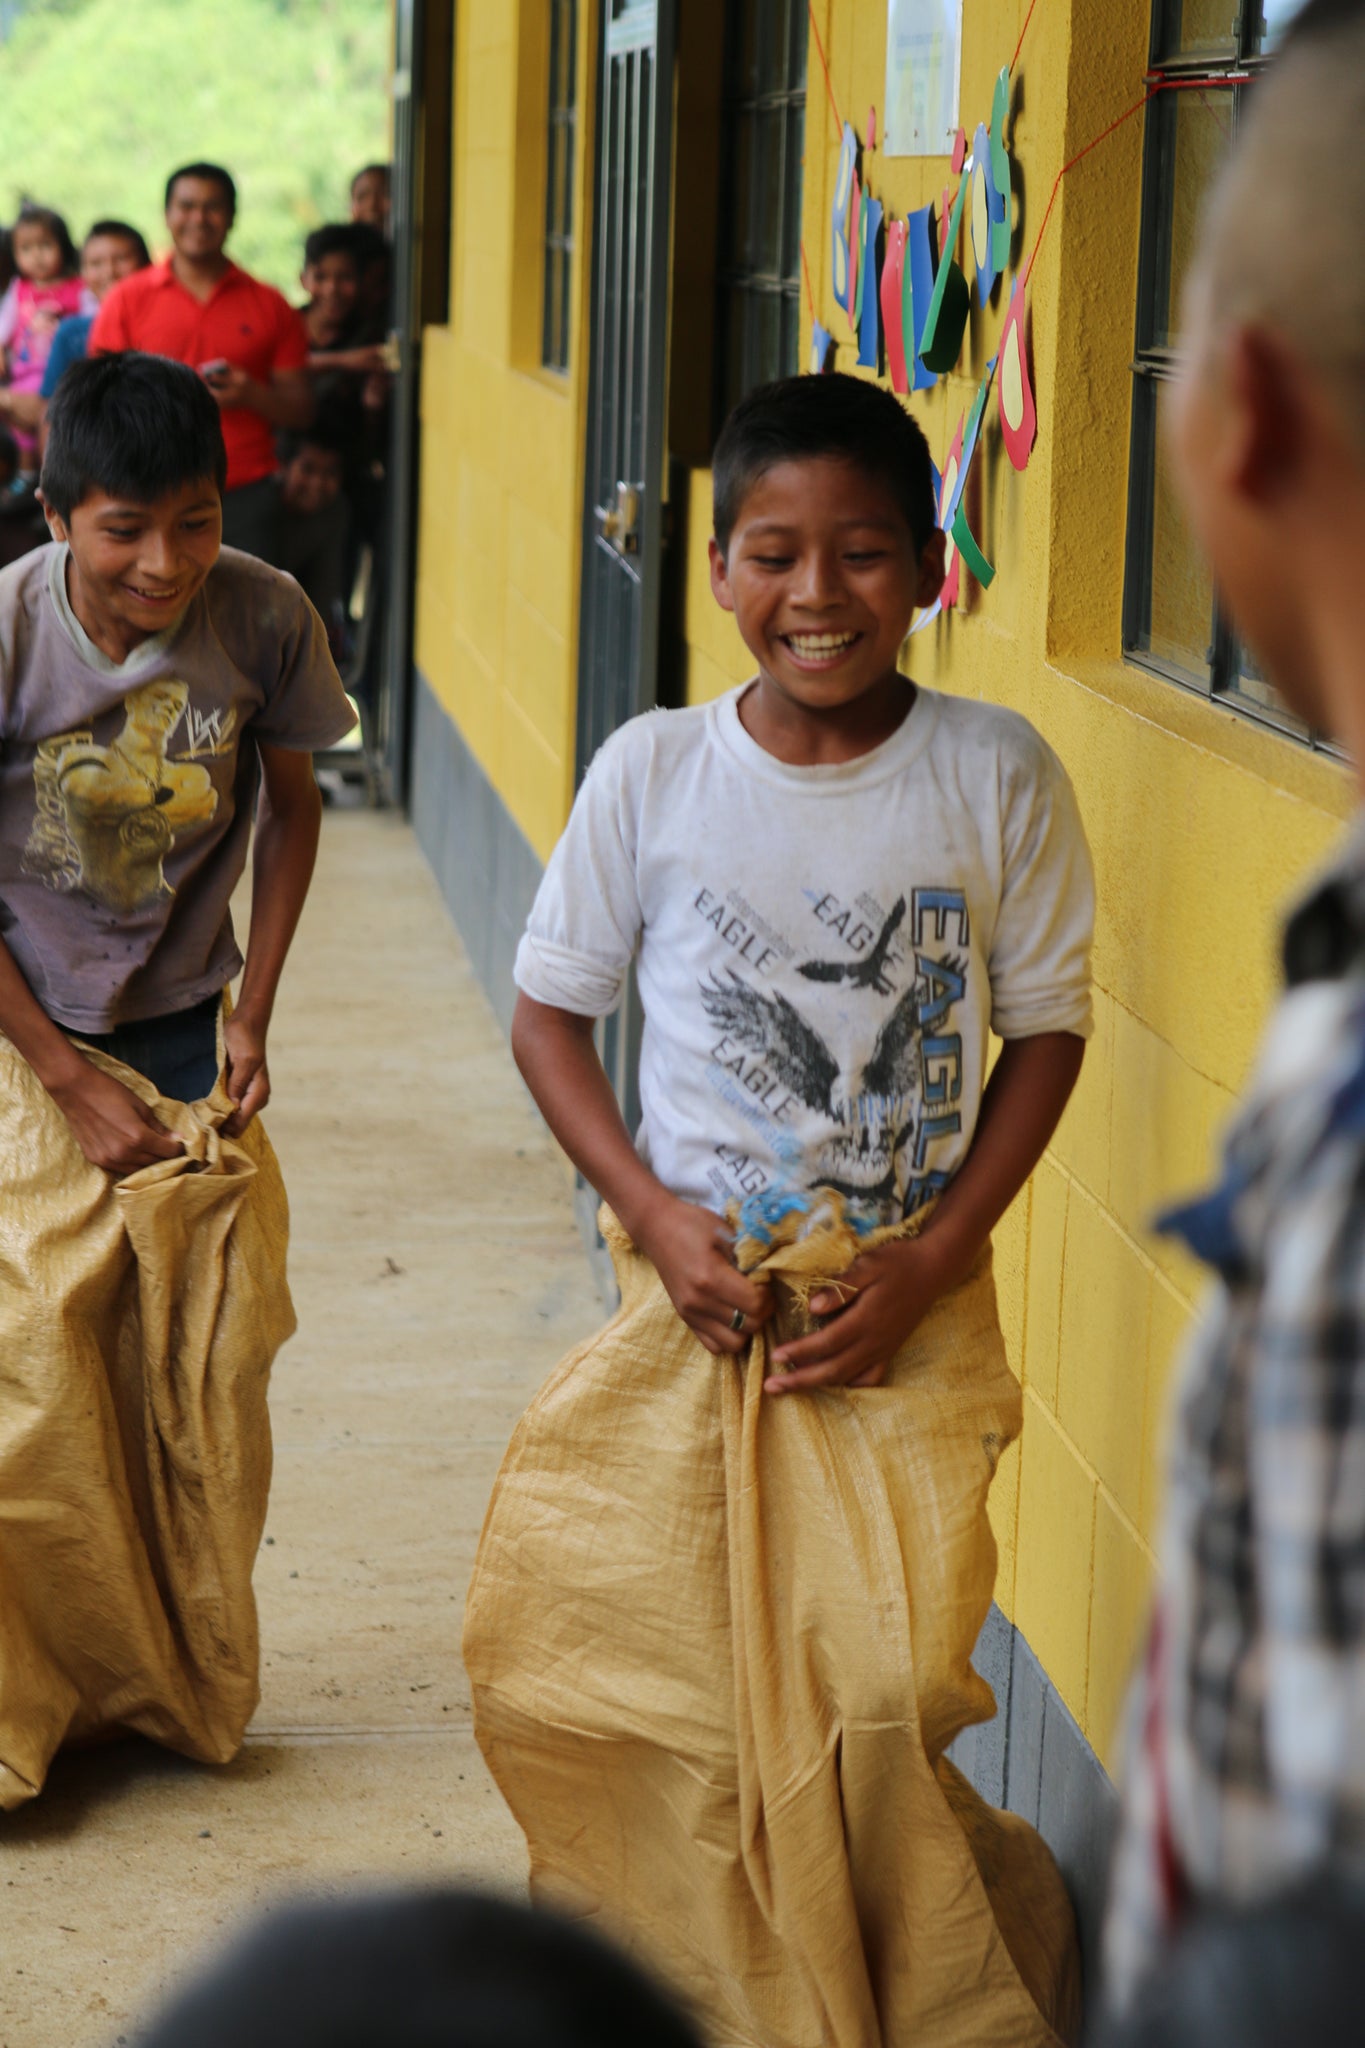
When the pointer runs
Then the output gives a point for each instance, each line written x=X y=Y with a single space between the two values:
x=243 y=337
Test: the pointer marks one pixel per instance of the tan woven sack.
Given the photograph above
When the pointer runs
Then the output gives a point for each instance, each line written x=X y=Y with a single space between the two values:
x=138 y=1323
x=718 y=1644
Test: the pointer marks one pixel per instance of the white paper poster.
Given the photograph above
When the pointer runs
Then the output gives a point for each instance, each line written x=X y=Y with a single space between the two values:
x=923 y=75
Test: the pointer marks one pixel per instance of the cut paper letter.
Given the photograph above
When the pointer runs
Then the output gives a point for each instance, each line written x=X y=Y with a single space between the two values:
x=893 y=307
x=868 y=335
x=947 y=497
x=820 y=339
x=1000 y=170
x=855 y=254
x=946 y=321
x=843 y=187
x=1018 y=415
x=987 y=208
x=919 y=289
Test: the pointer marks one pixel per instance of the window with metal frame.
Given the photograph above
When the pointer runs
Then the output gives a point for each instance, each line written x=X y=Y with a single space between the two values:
x=1205 y=56
x=758 y=314
x=559 y=176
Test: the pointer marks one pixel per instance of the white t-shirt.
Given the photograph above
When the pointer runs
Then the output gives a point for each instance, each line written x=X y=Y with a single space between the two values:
x=821 y=952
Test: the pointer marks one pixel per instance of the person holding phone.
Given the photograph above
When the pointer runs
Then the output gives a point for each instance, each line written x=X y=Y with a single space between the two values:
x=241 y=335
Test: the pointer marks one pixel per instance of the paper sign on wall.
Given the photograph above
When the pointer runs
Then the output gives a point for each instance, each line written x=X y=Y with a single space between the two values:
x=923 y=71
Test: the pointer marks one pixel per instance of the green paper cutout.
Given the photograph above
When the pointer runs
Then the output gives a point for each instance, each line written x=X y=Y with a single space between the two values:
x=954 y=301
x=946 y=263
x=1000 y=169
x=968 y=549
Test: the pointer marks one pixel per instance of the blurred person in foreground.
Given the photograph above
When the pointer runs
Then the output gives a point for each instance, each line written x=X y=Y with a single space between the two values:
x=1246 y=1755
x=422 y=1969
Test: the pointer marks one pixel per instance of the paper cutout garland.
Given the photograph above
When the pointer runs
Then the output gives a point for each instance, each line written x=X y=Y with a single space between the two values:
x=820 y=339
x=947 y=498
x=843 y=186
x=1018 y=414
x=868 y=355
x=855 y=254
x=968 y=551
x=946 y=321
x=894 y=306
x=919 y=289
x=1000 y=170
x=987 y=208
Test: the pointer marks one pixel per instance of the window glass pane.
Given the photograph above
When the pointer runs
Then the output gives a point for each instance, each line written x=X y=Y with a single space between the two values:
x=1199 y=28
x=766 y=254
x=739 y=229
x=791 y=203
x=789 y=363
x=1179 y=626
x=1274 y=18
x=1191 y=132
x=796 y=45
x=1251 y=687
x=773 y=36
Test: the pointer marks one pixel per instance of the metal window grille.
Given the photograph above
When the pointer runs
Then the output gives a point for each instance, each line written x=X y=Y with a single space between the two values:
x=559 y=169
x=1205 y=55
x=764 y=122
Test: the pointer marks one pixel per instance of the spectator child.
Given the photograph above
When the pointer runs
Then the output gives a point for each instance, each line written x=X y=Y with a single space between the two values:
x=45 y=291
x=1246 y=1769
x=370 y=196
x=110 y=252
x=314 y=519
x=833 y=884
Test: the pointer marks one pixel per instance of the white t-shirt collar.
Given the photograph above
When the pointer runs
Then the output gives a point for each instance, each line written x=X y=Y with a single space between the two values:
x=909 y=740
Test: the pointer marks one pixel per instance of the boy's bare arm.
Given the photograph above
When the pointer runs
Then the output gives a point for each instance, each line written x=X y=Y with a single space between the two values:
x=898 y=1283
x=288 y=821
x=116 y=1131
x=689 y=1246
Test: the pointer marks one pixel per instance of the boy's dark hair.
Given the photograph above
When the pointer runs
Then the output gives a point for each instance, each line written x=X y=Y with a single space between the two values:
x=32 y=215
x=371 y=171
x=133 y=425
x=337 y=238
x=121 y=229
x=214 y=173
x=434 y=1969
x=327 y=434
x=800 y=419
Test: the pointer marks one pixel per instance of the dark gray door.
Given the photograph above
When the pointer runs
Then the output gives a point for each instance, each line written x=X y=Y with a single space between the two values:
x=619 y=641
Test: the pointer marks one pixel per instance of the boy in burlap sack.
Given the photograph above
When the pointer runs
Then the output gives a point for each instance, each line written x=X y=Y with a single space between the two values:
x=156 y=690
x=722 y=1618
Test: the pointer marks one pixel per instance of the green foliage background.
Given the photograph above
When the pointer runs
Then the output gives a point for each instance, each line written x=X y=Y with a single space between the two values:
x=99 y=99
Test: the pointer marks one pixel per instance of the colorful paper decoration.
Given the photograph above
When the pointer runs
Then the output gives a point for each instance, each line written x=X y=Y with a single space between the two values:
x=820 y=339
x=968 y=551
x=1000 y=170
x=919 y=289
x=988 y=208
x=1018 y=415
x=868 y=353
x=855 y=254
x=946 y=321
x=843 y=186
x=893 y=298
x=959 y=155
x=947 y=499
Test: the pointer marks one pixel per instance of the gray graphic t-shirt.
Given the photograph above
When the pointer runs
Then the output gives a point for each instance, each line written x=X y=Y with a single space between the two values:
x=126 y=790
x=822 y=952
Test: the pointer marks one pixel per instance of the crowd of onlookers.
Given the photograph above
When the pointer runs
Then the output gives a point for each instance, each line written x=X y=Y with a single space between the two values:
x=304 y=391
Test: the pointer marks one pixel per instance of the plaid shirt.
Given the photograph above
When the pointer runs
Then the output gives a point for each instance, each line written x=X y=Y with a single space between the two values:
x=1246 y=1732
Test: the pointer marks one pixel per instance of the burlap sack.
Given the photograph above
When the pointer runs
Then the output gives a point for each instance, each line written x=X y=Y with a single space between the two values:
x=718 y=1644
x=138 y=1323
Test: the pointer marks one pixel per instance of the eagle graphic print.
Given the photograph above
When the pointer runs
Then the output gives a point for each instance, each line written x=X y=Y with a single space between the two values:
x=889 y=1089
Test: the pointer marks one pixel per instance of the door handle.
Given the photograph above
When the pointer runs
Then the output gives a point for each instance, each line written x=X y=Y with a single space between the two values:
x=621 y=520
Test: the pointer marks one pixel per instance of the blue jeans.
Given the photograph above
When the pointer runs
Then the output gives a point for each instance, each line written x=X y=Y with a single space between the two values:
x=178 y=1053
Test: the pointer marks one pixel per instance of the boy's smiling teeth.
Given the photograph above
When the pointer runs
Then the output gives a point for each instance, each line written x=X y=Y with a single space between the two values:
x=811 y=644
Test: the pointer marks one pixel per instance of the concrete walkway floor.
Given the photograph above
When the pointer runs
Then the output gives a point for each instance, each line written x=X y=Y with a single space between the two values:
x=437 y=1275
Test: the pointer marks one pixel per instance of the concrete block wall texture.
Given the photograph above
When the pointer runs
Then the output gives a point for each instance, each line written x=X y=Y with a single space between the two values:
x=1201 y=824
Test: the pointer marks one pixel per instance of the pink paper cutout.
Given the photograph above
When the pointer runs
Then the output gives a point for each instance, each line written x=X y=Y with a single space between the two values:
x=893 y=323
x=959 y=156
x=948 y=485
x=1018 y=414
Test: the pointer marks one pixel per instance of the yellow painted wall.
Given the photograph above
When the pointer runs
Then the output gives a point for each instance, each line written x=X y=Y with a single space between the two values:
x=1201 y=824
x=497 y=571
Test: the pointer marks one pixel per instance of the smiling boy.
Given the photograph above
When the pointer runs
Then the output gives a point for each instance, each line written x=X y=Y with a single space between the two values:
x=155 y=691
x=834 y=885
